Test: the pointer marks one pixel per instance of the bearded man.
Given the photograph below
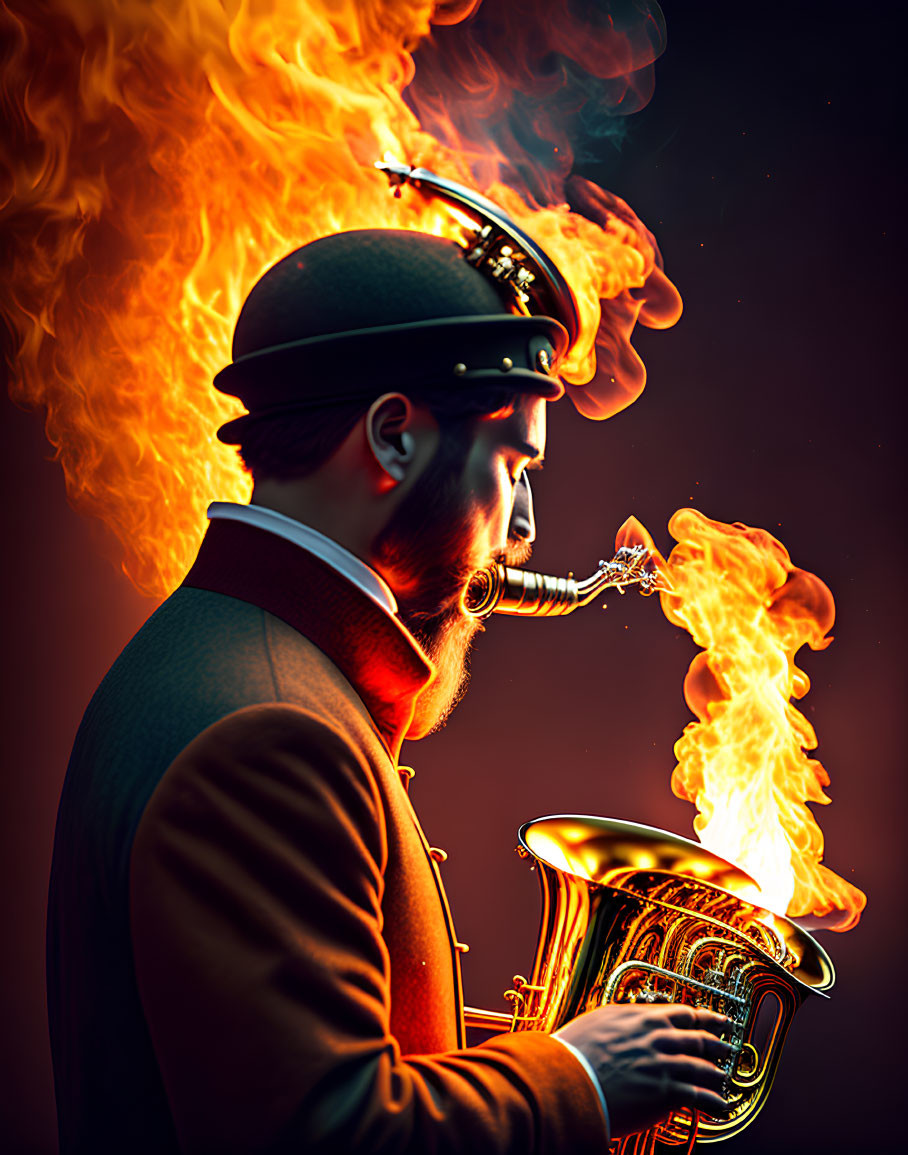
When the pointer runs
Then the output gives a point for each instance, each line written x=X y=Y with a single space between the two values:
x=249 y=944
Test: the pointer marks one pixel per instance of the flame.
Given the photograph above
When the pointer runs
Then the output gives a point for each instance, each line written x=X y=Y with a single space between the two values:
x=160 y=157
x=744 y=763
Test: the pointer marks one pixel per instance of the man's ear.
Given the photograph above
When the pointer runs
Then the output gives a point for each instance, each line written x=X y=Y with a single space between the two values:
x=390 y=433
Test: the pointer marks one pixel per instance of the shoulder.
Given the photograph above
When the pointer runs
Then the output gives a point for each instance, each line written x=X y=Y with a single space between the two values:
x=273 y=766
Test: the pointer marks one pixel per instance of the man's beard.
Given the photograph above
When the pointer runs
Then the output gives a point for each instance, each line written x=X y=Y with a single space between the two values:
x=446 y=637
x=425 y=538
x=446 y=641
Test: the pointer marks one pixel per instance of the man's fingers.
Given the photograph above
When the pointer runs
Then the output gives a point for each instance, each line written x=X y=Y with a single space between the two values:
x=706 y=1102
x=682 y=1069
x=693 y=1018
x=701 y=1043
x=654 y=1059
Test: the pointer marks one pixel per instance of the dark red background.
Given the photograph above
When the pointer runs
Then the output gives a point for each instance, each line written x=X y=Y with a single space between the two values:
x=766 y=164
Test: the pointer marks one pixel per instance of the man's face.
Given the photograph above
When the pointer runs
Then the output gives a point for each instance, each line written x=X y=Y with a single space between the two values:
x=502 y=452
x=471 y=506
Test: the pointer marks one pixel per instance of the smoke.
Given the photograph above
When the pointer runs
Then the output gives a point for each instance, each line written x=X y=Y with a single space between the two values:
x=539 y=85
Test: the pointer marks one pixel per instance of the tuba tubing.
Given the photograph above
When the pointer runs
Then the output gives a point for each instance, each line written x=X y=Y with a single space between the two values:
x=635 y=914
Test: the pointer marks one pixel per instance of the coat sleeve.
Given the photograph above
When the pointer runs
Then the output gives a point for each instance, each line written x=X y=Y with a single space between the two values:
x=256 y=882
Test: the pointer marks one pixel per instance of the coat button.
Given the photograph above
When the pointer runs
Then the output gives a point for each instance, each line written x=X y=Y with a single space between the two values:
x=438 y=854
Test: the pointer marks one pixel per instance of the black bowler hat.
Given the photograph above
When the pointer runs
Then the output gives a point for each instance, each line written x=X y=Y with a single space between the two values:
x=363 y=312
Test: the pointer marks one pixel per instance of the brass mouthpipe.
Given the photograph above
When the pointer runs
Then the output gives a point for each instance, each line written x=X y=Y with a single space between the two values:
x=501 y=589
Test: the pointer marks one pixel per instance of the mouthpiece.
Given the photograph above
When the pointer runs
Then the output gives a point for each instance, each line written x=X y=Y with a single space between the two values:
x=503 y=590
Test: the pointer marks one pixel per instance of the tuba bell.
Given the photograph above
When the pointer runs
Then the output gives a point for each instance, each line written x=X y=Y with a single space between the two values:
x=635 y=914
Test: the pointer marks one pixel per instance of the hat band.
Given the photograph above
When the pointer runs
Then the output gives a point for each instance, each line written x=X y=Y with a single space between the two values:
x=453 y=352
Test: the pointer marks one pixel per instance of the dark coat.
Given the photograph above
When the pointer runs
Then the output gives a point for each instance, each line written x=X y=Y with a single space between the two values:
x=249 y=947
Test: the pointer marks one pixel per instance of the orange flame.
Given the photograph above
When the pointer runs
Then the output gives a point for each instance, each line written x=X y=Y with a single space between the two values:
x=160 y=158
x=743 y=763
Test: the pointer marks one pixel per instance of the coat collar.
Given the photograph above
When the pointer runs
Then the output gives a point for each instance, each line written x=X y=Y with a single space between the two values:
x=374 y=651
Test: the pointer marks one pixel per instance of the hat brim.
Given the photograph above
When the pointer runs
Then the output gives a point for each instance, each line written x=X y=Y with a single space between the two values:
x=459 y=353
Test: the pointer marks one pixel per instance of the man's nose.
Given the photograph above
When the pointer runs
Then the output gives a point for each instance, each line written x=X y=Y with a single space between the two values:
x=523 y=524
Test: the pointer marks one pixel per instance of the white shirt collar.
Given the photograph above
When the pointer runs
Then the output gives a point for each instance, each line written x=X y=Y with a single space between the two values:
x=340 y=559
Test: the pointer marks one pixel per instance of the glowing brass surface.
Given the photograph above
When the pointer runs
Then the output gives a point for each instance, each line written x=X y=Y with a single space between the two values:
x=631 y=913
x=631 y=856
x=502 y=589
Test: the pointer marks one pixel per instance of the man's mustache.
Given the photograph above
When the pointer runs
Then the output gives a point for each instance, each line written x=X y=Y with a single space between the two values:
x=518 y=553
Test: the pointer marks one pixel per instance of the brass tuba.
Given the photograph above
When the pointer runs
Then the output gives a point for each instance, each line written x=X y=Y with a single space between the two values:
x=635 y=914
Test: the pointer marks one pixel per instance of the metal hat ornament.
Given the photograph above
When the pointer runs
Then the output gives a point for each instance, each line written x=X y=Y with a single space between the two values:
x=499 y=247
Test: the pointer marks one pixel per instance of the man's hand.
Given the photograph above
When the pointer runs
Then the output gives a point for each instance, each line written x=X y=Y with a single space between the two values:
x=652 y=1059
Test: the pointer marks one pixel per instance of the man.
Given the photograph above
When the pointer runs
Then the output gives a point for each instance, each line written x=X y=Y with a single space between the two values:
x=249 y=945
